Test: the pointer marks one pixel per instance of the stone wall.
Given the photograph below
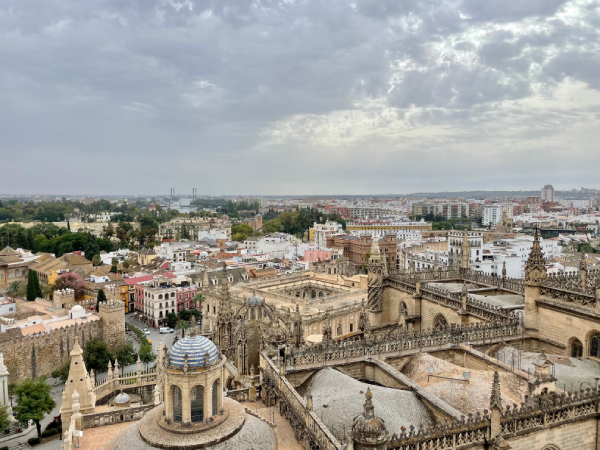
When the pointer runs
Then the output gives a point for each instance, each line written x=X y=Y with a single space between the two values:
x=37 y=355
x=580 y=435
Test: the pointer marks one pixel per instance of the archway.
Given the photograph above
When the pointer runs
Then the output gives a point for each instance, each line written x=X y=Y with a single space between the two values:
x=197 y=404
x=403 y=309
x=215 y=393
x=595 y=345
x=440 y=323
x=576 y=348
x=177 y=404
x=551 y=447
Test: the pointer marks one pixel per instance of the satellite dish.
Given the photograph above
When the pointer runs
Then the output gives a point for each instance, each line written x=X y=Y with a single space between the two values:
x=466 y=375
x=430 y=370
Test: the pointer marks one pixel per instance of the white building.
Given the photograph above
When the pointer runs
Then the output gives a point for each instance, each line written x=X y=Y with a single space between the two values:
x=321 y=231
x=547 y=193
x=492 y=214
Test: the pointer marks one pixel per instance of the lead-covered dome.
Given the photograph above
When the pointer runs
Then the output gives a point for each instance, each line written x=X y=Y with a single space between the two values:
x=196 y=349
x=122 y=399
x=254 y=300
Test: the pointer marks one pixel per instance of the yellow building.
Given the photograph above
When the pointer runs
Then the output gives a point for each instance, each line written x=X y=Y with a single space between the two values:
x=385 y=227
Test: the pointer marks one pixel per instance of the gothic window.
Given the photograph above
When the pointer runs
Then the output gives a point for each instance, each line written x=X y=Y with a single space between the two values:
x=403 y=309
x=197 y=404
x=595 y=345
x=576 y=348
x=313 y=294
x=440 y=323
x=177 y=403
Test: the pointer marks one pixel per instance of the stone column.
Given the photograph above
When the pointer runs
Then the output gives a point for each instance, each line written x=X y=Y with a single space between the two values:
x=208 y=399
x=186 y=404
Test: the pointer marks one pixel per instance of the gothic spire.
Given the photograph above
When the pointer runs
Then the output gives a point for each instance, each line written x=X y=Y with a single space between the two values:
x=536 y=264
x=224 y=307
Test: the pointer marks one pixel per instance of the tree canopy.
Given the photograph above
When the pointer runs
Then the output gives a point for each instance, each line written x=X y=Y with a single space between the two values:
x=34 y=402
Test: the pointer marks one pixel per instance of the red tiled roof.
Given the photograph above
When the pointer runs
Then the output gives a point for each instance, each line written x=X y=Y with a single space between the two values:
x=136 y=280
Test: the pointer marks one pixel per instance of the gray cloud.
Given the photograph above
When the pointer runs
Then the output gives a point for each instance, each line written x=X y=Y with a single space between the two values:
x=141 y=95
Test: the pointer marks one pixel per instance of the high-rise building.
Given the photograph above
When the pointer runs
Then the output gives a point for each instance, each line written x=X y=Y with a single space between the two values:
x=547 y=193
x=492 y=214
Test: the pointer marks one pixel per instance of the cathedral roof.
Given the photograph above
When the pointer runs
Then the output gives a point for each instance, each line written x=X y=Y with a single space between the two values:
x=196 y=349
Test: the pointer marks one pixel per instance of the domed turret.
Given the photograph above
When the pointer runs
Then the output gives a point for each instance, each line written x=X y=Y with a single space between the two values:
x=122 y=400
x=368 y=430
x=197 y=349
x=254 y=300
x=275 y=334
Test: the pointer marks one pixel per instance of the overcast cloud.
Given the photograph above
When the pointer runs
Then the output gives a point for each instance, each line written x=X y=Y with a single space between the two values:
x=298 y=97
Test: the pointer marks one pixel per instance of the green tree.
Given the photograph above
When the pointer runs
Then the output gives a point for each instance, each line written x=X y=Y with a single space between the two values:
x=34 y=402
x=31 y=288
x=4 y=418
x=185 y=314
x=146 y=354
x=171 y=319
x=16 y=289
x=114 y=264
x=196 y=313
x=101 y=298
x=125 y=354
x=126 y=264
x=184 y=325
x=63 y=371
x=240 y=232
x=96 y=355
x=38 y=288
x=96 y=260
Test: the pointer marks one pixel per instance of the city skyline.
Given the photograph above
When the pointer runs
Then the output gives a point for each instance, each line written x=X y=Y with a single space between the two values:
x=359 y=98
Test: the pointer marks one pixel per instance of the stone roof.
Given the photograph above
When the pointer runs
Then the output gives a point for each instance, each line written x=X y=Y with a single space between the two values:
x=254 y=435
x=339 y=398
x=570 y=373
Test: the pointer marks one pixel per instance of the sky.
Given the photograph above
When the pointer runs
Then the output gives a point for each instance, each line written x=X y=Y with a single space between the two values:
x=298 y=97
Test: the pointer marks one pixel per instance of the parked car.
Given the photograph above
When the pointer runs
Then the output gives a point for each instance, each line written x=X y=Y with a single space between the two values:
x=165 y=330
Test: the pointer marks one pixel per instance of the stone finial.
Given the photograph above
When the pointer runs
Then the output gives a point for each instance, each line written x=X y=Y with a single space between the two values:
x=75 y=402
x=495 y=398
x=503 y=269
x=369 y=411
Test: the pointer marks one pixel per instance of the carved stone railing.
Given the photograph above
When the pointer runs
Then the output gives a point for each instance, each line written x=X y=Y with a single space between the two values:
x=536 y=414
x=307 y=426
x=333 y=313
x=510 y=284
x=398 y=342
x=573 y=282
x=116 y=415
x=454 y=300
x=472 y=430
x=574 y=298
x=424 y=275
x=116 y=382
x=547 y=409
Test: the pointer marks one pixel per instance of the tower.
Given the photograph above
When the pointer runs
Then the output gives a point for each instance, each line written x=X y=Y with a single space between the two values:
x=465 y=252
x=112 y=317
x=79 y=381
x=225 y=317
x=535 y=274
x=375 y=279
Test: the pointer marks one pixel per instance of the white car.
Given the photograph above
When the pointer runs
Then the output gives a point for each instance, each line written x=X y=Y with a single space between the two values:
x=165 y=330
x=146 y=332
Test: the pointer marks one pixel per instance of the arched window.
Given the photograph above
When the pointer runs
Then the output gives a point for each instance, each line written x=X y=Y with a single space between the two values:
x=252 y=314
x=551 y=447
x=160 y=296
x=197 y=404
x=440 y=323
x=176 y=404
x=576 y=348
x=298 y=294
x=313 y=294
x=595 y=345
x=320 y=294
x=215 y=393
x=403 y=309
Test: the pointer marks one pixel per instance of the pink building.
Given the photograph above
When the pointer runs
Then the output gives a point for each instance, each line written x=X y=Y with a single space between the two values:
x=317 y=255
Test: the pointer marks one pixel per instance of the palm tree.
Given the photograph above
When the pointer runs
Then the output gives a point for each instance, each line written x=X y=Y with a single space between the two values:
x=96 y=260
x=16 y=289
